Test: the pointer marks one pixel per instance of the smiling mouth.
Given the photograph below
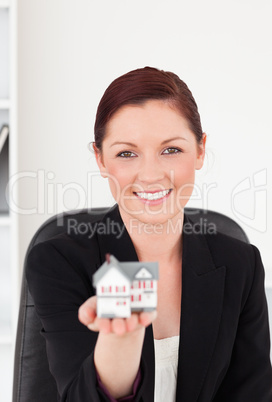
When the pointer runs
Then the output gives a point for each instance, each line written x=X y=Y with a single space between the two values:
x=153 y=195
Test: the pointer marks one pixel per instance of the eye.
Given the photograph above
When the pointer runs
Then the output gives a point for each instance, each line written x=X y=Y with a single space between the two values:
x=125 y=154
x=172 y=151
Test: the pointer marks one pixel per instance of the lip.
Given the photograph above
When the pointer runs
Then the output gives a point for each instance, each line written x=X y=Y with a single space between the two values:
x=153 y=202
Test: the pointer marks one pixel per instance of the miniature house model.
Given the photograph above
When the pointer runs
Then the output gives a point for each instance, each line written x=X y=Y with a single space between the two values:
x=124 y=287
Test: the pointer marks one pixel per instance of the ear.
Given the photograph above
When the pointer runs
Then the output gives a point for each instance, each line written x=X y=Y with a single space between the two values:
x=201 y=152
x=100 y=162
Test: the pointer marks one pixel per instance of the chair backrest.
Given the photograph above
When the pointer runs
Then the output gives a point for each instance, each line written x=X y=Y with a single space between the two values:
x=32 y=380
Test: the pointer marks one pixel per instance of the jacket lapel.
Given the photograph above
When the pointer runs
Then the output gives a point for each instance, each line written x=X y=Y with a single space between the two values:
x=113 y=237
x=201 y=305
x=201 y=308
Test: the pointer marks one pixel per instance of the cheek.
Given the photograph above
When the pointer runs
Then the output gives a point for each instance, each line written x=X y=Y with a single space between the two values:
x=120 y=178
x=184 y=179
x=185 y=182
x=184 y=173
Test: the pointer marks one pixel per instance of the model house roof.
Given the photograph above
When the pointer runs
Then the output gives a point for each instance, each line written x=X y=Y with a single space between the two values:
x=132 y=270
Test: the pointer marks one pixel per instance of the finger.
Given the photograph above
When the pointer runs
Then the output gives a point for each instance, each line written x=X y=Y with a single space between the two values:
x=132 y=322
x=118 y=326
x=87 y=311
x=86 y=315
x=93 y=326
x=104 y=325
x=146 y=318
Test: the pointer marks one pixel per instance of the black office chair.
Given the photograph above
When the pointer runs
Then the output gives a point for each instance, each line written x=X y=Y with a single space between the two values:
x=33 y=381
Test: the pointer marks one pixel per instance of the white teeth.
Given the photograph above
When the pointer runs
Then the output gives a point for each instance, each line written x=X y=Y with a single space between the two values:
x=153 y=196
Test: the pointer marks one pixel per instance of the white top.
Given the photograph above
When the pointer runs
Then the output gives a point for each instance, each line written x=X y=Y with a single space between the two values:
x=166 y=365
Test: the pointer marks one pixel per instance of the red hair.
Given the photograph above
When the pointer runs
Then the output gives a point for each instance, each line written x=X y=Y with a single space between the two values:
x=137 y=87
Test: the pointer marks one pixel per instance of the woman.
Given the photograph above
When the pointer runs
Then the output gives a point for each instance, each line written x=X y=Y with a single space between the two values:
x=211 y=324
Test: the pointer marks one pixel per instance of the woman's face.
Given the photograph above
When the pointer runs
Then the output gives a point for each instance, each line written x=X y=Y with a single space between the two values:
x=150 y=156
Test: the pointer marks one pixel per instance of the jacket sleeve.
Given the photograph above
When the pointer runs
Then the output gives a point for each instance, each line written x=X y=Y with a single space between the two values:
x=58 y=287
x=249 y=376
x=129 y=398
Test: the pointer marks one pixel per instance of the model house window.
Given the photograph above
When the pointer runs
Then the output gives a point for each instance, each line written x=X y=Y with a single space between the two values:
x=148 y=284
x=136 y=285
x=106 y=289
x=121 y=303
x=136 y=298
x=120 y=289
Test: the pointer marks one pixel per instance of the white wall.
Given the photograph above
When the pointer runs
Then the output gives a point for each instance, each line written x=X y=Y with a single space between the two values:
x=69 y=52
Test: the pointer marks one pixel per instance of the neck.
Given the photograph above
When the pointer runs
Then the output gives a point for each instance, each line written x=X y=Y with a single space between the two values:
x=155 y=241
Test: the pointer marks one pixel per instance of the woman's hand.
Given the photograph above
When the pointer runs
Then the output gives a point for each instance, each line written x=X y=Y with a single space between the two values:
x=119 y=326
x=118 y=348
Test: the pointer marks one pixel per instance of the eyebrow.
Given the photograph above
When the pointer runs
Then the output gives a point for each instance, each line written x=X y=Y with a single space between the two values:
x=134 y=145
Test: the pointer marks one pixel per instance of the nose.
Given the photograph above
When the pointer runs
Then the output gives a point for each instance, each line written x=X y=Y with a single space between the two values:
x=150 y=171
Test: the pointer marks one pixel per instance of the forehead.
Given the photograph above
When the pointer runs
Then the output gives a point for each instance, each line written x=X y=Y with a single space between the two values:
x=153 y=118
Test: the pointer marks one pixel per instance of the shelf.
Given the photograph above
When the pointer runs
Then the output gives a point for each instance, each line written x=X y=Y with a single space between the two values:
x=4 y=3
x=4 y=103
x=9 y=266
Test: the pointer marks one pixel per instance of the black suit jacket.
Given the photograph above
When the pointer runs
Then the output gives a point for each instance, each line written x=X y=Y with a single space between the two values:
x=224 y=333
